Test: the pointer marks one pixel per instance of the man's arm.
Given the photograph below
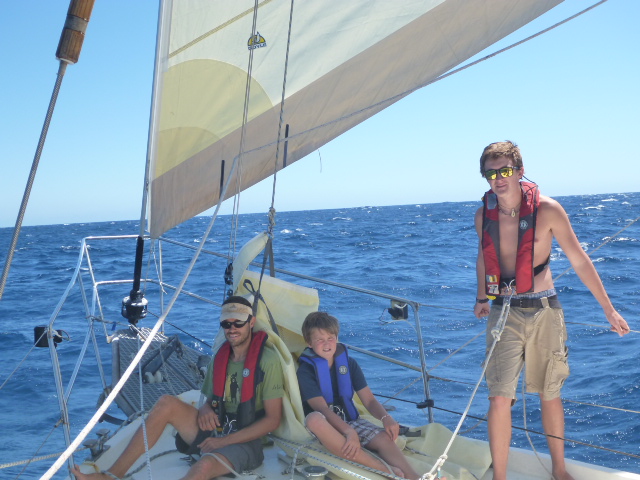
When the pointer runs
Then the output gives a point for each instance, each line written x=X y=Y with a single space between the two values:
x=268 y=423
x=480 y=309
x=580 y=261
x=207 y=418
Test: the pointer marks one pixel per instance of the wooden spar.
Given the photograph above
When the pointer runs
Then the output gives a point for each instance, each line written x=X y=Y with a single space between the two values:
x=73 y=32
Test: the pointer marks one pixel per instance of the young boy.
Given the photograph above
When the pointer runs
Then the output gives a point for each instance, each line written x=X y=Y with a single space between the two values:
x=328 y=377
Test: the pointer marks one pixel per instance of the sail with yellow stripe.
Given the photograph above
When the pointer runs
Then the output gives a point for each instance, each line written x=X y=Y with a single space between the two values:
x=224 y=64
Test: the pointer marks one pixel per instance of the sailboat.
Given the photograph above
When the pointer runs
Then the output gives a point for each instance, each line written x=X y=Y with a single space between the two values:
x=242 y=90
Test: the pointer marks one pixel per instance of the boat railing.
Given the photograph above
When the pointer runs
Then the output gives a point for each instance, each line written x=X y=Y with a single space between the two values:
x=91 y=290
x=94 y=313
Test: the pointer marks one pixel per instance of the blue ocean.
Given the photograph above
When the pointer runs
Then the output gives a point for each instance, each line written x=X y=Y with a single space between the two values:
x=425 y=253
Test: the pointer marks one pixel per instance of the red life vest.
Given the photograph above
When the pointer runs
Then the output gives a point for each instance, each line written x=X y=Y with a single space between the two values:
x=252 y=375
x=526 y=236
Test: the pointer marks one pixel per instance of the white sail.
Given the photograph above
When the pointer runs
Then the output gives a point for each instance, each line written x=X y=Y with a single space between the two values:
x=347 y=61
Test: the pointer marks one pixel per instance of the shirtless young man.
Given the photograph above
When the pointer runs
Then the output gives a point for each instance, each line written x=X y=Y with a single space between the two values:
x=516 y=226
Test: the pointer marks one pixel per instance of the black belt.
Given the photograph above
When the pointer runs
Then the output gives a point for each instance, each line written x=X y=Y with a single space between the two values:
x=530 y=302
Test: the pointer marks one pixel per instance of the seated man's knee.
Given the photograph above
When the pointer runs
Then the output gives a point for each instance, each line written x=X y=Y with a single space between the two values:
x=315 y=420
x=209 y=465
x=166 y=402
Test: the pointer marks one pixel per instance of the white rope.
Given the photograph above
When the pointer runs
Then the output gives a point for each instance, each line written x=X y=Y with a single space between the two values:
x=34 y=459
x=226 y=465
x=143 y=420
x=116 y=389
x=140 y=467
x=496 y=332
x=103 y=408
x=526 y=432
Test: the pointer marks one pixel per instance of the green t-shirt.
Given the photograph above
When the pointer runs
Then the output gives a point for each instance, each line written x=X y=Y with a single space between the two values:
x=271 y=387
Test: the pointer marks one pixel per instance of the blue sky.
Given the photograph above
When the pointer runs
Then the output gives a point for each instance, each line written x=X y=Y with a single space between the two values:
x=569 y=99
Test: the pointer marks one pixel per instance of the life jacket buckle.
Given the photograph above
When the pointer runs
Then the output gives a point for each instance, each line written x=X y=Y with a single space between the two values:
x=339 y=411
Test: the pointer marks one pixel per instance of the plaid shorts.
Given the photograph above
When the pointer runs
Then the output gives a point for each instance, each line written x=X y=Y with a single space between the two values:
x=365 y=430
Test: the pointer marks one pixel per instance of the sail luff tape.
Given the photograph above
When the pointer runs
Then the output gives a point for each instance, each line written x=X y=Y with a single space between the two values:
x=73 y=32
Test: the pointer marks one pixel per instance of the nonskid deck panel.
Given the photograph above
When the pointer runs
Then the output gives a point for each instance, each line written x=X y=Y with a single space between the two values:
x=169 y=367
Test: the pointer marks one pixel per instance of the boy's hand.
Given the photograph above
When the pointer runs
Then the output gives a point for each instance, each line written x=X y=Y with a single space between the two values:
x=391 y=426
x=351 y=445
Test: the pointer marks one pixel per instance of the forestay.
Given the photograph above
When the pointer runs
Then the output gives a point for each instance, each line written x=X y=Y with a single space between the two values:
x=347 y=61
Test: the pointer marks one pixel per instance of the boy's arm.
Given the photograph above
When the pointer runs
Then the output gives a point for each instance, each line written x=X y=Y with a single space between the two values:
x=351 y=445
x=375 y=408
x=581 y=263
x=319 y=404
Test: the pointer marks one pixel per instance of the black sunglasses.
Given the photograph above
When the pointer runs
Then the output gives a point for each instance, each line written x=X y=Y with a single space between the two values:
x=226 y=324
x=504 y=172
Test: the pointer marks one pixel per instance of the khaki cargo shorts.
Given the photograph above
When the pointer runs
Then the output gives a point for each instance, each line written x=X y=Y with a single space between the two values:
x=532 y=337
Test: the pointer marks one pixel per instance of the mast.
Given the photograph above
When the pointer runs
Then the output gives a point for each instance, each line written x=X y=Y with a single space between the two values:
x=134 y=306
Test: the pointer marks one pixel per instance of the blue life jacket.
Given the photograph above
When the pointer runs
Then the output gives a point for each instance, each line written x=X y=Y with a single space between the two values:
x=323 y=375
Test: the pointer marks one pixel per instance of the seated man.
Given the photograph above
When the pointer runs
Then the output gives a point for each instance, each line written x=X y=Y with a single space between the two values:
x=243 y=368
x=328 y=378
